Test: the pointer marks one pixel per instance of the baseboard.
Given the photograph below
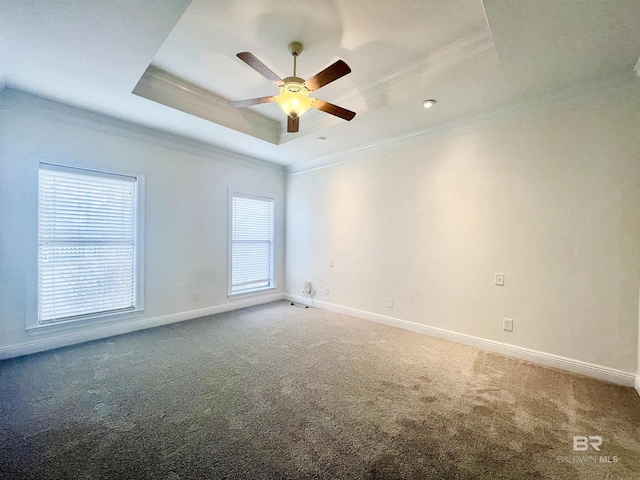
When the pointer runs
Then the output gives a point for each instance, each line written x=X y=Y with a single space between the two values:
x=637 y=384
x=71 y=338
x=541 y=358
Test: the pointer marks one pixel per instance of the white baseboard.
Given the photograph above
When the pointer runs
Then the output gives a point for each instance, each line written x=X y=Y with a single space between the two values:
x=71 y=338
x=541 y=358
x=637 y=384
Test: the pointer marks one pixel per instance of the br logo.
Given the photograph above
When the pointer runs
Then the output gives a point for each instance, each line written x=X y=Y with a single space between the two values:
x=581 y=443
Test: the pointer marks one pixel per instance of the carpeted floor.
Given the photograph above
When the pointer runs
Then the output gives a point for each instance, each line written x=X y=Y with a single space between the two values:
x=277 y=391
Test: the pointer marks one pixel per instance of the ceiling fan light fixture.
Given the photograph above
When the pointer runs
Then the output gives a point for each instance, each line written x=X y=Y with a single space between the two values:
x=294 y=97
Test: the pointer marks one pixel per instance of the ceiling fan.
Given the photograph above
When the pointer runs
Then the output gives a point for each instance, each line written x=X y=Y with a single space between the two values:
x=294 y=97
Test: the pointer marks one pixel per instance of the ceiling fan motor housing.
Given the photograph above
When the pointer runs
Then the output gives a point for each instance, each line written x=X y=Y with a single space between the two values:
x=295 y=82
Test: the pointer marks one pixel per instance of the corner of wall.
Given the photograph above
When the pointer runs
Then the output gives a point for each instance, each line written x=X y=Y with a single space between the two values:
x=637 y=382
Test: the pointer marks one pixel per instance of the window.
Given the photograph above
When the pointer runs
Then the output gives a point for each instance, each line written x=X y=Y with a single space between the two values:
x=87 y=244
x=251 y=243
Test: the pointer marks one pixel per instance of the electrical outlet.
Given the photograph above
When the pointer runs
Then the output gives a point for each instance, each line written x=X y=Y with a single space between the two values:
x=196 y=296
x=499 y=279
x=507 y=324
x=390 y=302
x=331 y=262
x=326 y=290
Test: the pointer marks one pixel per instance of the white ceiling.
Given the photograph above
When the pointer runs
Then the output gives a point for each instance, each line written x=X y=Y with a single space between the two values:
x=474 y=57
x=373 y=41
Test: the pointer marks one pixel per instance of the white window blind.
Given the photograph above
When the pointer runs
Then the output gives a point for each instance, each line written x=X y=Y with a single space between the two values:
x=251 y=243
x=86 y=243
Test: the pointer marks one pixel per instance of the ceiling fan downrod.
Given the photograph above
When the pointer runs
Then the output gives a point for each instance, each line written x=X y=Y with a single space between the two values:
x=296 y=49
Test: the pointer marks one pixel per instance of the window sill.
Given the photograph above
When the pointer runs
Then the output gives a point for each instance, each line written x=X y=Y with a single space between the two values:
x=77 y=323
x=232 y=296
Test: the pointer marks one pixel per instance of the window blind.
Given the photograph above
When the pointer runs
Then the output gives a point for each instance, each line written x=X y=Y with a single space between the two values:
x=86 y=243
x=251 y=243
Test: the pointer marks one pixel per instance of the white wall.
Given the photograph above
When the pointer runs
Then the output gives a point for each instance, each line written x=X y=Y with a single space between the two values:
x=186 y=212
x=551 y=199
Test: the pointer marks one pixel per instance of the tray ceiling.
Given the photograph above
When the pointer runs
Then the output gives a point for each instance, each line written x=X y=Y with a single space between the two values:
x=179 y=58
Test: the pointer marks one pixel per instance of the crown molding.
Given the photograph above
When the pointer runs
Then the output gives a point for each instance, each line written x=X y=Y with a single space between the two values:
x=163 y=87
x=574 y=96
x=30 y=104
x=360 y=98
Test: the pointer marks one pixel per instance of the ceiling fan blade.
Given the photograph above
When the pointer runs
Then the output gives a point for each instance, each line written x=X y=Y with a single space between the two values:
x=260 y=67
x=328 y=75
x=333 y=109
x=251 y=101
x=293 y=124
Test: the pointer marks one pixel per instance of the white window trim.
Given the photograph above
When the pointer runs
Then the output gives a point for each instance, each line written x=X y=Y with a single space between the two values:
x=258 y=291
x=33 y=326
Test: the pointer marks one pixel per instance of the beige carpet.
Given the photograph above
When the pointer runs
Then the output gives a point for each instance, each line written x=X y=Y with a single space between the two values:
x=283 y=392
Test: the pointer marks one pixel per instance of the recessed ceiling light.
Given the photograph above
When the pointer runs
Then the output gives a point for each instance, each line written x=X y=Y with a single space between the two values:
x=322 y=139
x=428 y=103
